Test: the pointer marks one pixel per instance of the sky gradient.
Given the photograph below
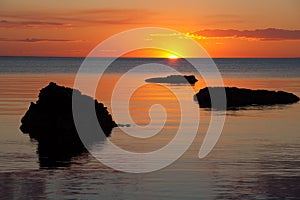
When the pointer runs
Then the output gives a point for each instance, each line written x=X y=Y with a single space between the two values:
x=230 y=28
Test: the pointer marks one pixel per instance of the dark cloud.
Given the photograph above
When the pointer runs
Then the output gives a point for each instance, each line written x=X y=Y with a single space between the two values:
x=34 y=40
x=17 y=24
x=269 y=34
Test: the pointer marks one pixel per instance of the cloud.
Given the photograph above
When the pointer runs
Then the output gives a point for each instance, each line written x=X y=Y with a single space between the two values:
x=223 y=19
x=31 y=24
x=108 y=16
x=36 y=40
x=74 y=18
x=113 y=12
x=269 y=34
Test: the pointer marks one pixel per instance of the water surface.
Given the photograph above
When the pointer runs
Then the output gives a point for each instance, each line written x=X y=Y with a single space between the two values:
x=256 y=157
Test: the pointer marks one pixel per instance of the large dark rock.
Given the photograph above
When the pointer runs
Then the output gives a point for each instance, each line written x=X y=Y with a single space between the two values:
x=240 y=97
x=174 y=79
x=50 y=122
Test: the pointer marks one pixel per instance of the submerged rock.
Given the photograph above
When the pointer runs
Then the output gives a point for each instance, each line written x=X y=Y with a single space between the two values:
x=50 y=122
x=174 y=79
x=239 y=97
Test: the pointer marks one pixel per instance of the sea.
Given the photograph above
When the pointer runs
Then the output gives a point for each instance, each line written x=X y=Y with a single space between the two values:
x=257 y=154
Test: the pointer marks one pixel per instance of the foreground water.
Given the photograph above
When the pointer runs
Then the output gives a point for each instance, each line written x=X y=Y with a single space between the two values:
x=256 y=157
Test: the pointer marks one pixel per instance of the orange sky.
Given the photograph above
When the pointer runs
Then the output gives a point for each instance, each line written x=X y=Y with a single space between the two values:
x=230 y=28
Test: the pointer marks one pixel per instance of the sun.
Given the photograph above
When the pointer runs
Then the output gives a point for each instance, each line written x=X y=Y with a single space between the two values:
x=173 y=57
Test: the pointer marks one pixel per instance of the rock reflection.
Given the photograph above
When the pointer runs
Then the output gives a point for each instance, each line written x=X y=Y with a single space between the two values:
x=58 y=157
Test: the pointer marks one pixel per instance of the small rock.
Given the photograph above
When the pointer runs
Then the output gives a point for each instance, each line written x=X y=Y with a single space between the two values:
x=239 y=97
x=174 y=79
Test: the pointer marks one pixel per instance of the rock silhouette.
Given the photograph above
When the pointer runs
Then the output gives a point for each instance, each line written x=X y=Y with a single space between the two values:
x=50 y=122
x=174 y=79
x=241 y=97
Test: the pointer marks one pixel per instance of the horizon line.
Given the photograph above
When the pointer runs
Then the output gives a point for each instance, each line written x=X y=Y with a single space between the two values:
x=37 y=56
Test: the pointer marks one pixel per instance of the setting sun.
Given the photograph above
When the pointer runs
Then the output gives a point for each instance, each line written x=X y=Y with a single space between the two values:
x=173 y=57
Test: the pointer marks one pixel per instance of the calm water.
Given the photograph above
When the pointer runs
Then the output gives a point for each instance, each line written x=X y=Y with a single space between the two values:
x=256 y=157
